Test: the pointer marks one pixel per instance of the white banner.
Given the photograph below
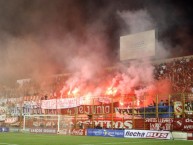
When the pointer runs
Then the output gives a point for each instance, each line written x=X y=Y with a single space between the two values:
x=10 y=120
x=147 y=134
x=61 y=103
x=179 y=135
x=2 y=117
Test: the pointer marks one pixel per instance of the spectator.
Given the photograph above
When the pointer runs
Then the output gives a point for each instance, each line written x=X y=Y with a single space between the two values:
x=166 y=103
x=161 y=103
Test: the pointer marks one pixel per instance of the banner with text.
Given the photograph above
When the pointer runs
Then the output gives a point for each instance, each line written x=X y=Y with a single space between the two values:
x=79 y=132
x=61 y=103
x=147 y=134
x=43 y=130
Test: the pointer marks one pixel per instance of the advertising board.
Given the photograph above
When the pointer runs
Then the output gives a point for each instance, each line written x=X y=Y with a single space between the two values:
x=78 y=132
x=190 y=136
x=4 y=129
x=43 y=130
x=105 y=132
x=147 y=134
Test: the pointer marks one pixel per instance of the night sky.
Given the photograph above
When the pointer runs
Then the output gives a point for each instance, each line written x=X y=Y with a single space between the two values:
x=39 y=37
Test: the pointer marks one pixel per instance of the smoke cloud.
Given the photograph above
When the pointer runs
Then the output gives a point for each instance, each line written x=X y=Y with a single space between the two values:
x=39 y=40
x=41 y=37
x=139 y=75
x=137 y=21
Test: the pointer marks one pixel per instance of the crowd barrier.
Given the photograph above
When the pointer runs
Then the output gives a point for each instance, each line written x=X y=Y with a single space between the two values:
x=163 y=111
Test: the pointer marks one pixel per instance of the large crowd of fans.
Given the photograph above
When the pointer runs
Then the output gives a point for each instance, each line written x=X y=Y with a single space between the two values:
x=178 y=71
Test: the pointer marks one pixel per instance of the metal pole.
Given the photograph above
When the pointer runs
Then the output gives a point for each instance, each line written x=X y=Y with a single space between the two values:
x=58 y=124
x=24 y=122
x=133 y=111
x=157 y=111
x=112 y=112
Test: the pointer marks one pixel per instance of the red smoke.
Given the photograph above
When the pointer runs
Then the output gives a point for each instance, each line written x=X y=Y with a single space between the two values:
x=137 y=80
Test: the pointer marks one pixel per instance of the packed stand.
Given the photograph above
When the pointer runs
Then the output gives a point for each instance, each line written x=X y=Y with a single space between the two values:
x=179 y=72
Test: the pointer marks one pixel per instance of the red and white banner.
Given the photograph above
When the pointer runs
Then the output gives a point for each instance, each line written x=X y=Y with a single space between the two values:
x=107 y=123
x=159 y=123
x=147 y=134
x=175 y=124
x=178 y=108
x=89 y=109
x=183 y=124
